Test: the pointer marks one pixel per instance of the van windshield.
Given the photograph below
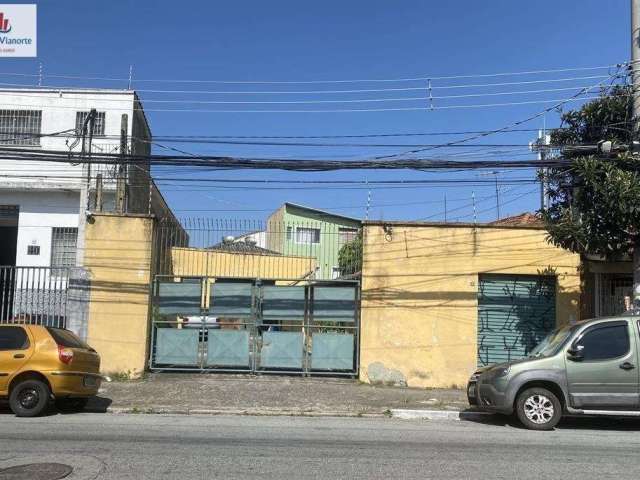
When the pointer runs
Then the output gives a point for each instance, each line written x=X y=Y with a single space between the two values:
x=553 y=342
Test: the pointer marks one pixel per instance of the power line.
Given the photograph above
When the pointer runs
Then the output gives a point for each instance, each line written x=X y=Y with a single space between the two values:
x=301 y=82
x=559 y=104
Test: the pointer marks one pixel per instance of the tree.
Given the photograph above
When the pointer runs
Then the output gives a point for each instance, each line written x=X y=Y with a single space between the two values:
x=595 y=201
x=350 y=256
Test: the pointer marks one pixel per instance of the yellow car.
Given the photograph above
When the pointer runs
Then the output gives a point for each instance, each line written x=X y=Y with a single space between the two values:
x=41 y=364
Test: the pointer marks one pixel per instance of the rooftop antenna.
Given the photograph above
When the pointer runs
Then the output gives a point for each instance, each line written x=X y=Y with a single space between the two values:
x=366 y=215
x=473 y=199
x=40 y=74
x=130 y=77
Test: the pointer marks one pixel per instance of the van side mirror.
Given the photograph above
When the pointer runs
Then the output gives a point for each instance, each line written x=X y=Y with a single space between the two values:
x=575 y=352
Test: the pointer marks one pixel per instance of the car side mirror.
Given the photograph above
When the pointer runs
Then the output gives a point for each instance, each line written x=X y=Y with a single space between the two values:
x=575 y=352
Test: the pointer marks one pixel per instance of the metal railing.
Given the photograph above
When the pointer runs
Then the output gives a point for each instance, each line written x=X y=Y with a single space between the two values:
x=306 y=250
x=34 y=295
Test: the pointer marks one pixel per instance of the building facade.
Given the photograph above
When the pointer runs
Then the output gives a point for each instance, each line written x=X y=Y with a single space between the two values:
x=439 y=300
x=43 y=203
x=308 y=232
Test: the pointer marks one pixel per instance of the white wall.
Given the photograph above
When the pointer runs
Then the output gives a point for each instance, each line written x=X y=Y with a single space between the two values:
x=39 y=212
x=59 y=113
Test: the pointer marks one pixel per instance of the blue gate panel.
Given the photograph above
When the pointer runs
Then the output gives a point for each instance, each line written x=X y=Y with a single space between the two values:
x=177 y=346
x=183 y=298
x=228 y=348
x=285 y=303
x=334 y=304
x=281 y=350
x=332 y=351
x=231 y=299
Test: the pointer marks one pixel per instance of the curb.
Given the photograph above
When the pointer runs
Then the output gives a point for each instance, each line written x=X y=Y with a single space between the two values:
x=405 y=414
x=248 y=412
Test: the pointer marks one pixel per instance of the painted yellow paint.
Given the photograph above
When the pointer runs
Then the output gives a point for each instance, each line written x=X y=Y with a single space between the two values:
x=118 y=257
x=419 y=295
x=200 y=262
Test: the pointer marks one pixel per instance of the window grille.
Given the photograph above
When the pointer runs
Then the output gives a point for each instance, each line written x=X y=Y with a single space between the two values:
x=63 y=247
x=346 y=235
x=20 y=127
x=307 y=235
x=98 y=125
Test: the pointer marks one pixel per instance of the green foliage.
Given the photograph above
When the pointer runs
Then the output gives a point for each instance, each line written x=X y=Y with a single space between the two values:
x=595 y=202
x=350 y=256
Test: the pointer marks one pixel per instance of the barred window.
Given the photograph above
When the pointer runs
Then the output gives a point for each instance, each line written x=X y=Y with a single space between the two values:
x=307 y=235
x=98 y=125
x=346 y=235
x=63 y=247
x=20 y=127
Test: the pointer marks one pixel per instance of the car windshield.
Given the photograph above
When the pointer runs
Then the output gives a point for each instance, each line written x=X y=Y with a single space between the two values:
x=552 y=342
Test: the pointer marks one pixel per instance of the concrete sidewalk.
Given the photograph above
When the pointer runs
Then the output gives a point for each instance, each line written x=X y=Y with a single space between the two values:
x=267 y=395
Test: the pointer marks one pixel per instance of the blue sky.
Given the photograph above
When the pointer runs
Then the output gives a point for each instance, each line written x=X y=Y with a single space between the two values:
x=328 y=40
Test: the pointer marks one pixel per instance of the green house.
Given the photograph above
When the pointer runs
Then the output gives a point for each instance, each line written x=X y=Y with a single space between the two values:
x=304 y=231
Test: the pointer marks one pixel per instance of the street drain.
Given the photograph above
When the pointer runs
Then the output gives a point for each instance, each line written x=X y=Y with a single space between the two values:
x=36 y=471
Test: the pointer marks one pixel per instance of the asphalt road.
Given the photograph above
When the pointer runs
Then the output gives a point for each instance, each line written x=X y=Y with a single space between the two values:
x=184 y=447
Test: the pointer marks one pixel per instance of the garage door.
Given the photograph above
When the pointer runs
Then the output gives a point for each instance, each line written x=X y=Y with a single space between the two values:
x=515 y=312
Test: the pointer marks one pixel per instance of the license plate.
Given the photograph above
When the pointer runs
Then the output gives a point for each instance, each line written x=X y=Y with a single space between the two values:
x=89 y=381
x=471 y=391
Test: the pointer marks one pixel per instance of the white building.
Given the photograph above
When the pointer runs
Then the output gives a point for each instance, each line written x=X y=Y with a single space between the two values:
x=43 y=205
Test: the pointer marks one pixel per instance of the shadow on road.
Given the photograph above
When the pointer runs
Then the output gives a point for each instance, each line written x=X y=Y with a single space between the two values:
x=96 y=405
x=567 y=423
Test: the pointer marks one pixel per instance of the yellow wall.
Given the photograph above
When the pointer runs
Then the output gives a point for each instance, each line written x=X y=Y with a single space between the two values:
x=118 y=257
x=419 y=295
x=199 y=262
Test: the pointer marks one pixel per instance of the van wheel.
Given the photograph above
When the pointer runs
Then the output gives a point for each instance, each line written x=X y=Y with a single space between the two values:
x=538 y=409
x=71 y=404
x=29 y=398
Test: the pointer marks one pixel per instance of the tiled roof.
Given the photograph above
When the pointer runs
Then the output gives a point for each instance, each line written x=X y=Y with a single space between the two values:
x=526 y=218
x=242 y=247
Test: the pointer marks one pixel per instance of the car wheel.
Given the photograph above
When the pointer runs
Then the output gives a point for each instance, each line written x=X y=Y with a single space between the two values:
x=29 y=398
x=538 y=409
x=71 y=404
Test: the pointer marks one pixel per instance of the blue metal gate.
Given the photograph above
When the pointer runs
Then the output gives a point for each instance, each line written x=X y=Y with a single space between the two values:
x=217 y=324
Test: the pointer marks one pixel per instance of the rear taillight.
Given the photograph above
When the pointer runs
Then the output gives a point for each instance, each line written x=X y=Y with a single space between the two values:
x=65 y=355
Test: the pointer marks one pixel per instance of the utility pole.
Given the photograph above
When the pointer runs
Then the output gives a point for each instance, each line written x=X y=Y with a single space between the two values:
x=541 y=146
x=85 y=155
x=635 y=81
x=120 y=182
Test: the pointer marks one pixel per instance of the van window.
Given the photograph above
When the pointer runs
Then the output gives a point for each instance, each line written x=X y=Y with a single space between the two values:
x=605 y=343
x=13 y=338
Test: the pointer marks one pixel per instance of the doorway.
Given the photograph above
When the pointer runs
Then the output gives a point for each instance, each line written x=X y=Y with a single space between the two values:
x=8 y=247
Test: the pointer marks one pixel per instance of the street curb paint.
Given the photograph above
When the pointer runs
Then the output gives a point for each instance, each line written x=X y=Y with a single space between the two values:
x=249 y=412
x=405 y=414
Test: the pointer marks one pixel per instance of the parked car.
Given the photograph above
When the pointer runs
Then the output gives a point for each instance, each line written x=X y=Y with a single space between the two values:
x=589 y=368
x=41 y=364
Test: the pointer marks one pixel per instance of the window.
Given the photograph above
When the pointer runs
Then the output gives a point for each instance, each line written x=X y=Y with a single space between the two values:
x=20 y=127
x=98 y=125
x=307 y=235
x=13 y=338
x=605 y=342
x=289 y=230
x=346 y=235
x=33 y=249
x=67 y=339
x=63 y=247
